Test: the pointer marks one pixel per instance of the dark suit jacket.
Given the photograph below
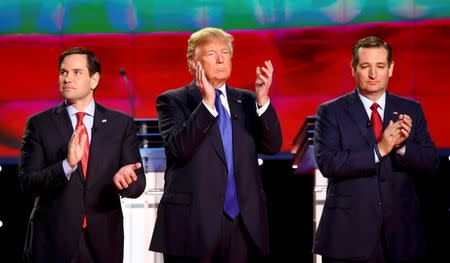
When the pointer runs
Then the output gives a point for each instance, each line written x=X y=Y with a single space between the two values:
x=191 y=209
x=56 y=219
x=365 y=199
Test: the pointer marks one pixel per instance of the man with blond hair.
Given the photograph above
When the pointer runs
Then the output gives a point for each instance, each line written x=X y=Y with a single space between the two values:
x=213 y=208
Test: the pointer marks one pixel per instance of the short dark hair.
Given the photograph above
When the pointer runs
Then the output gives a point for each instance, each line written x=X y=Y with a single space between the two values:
x=93 y=64
x=370 y=42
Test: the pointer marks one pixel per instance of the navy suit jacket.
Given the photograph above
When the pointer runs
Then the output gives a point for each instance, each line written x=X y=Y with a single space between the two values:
x=191 y=209
x=365 y=199
x=56 y=218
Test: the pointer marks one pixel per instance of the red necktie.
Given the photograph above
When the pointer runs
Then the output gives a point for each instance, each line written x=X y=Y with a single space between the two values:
x=377 y=123
x=85 y=158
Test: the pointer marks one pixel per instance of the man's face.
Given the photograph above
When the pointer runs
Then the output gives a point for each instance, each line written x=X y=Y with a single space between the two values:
x=75 y=84
x=215 y=58
x=372 y=72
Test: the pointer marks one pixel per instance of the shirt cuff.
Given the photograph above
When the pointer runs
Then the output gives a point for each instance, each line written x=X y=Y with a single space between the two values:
x=263 y=108
x=213 y=111
x=68 y=171
x=377 y=153
x=401 y=151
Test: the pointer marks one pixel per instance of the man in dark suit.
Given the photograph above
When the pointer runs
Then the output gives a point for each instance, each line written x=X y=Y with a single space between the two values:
x=371 y=144
x=213 y=208
x=78 y=177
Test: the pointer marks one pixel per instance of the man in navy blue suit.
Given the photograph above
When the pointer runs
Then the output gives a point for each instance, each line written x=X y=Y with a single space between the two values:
x=77 y=160
x=213 y=208
x=371 y=145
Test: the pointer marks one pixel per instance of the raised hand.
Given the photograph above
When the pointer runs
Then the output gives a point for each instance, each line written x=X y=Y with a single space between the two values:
x=205 y=88
x=76 y=147
x=263 y=82
x=395 y=134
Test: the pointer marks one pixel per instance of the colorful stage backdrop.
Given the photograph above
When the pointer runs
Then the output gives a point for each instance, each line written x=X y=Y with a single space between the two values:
x=308 y=41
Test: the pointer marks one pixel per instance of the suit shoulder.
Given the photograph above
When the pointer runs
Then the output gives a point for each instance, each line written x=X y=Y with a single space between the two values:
x=176 y=92
x=336 y=102
x=404 y=101
x=244 y=93
x=116 y=114
x=43 y=115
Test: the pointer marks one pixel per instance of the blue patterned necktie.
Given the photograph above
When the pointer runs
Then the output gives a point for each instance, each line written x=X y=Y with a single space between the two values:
x=231 y=206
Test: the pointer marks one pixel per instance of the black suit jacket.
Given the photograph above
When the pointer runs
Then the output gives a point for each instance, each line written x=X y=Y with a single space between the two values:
x=191 y=209
x=365 y=199
x=56 y=219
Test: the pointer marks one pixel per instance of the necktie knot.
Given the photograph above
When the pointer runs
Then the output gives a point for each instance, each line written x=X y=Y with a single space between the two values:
x=374 y=107
x=80 y=116
x=217 y=100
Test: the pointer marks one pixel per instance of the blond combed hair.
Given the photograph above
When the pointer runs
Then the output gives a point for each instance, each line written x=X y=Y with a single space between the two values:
x=202 y=36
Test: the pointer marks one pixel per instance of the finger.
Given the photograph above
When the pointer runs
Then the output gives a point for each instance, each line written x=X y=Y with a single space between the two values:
x=136 y=166
x=124 y=184
x=267 y=72
x=197 y=74
x=76 y=133
x=127 y=178
x=118 y=184
x=408 y=120
x=83 y=139
x=269 y=65
x=264 y=79
x=258 y=71
x=406 y=127
x=405 y=133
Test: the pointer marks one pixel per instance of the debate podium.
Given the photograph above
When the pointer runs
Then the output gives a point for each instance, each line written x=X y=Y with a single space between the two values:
x=140 y=213
x=304 y=164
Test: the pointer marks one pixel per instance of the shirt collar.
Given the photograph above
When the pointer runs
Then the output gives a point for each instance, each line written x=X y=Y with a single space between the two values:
x=90 y=109
x=368 y=103
x=223 y=90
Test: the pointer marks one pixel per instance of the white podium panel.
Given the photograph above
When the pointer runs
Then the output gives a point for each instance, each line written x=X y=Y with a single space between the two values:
x=139 y=220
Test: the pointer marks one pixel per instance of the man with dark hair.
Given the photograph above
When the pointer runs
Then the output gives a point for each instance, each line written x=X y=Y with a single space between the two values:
x=371 y=144
x=78 y=159
x=213 y=208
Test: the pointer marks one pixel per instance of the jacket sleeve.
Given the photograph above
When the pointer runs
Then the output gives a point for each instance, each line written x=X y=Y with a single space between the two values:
x=182 y=131
x=130 y=154
x=36 y=177
x=270 y=138
x=332 y=157
x=421 y=155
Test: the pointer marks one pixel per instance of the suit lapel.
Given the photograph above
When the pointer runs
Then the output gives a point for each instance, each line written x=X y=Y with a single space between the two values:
x=65 y=129
x=99 y=134
x=63 y=123
x=355 y=109
x=194 y=99
x=390 y=112
x=236 y=111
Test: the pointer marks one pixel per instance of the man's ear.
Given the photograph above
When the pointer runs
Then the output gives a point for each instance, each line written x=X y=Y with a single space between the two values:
x=95 y=78
x=391 y=69
x=353 y=69
x=193 y=65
